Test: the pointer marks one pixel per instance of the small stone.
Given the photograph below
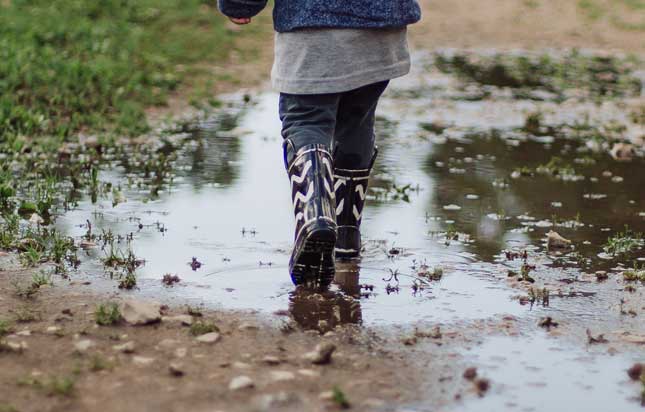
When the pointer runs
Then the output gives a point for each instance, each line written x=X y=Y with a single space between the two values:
x=247 y=326
x=241 y=382
x=470 y=374
x=127 y=347
x=271 y=360
x=211 y=337
x=87 y=244
x=321 y=355
x=142 y=360
x=36 y=219
x=15 y=347
x=482 y=386
x=555 y=241
x=83 y=346
x=309 y=373
x=636 y=371
x=326 y=396
x=53 y=330
x=282 y=376
x=137 y=312
x=24 y=333
x=623 y=152
x=185 y=320
x=181 y=352
x=241 y=365
x=176 y=369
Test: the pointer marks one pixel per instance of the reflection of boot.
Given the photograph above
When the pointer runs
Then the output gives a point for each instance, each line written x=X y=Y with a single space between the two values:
x=311 y=176
x=323 y=311
x=351 y=188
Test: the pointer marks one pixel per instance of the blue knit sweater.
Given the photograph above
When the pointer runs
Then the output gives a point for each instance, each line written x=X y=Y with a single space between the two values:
x=289 y=15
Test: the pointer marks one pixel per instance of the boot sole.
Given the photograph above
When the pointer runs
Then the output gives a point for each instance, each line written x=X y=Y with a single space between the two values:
x=316 y=265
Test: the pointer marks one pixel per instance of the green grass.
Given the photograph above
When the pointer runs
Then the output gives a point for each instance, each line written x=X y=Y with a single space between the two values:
x=71 y=65
x=203 y=327
x=107 y=314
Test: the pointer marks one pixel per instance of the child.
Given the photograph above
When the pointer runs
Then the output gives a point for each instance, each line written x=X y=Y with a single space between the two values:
x=333 y=60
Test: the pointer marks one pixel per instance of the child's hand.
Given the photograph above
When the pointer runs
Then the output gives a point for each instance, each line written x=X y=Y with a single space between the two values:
x=241 y=21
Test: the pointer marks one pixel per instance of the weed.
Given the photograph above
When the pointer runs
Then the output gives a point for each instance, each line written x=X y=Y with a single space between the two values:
x=24 y=291
x=41 y=279
x=31 y=257
x=98 y=363
x=129 y=281
x=25 y=315
x=634 y=275
x=107 y=314
x=624 y=242
x=539 y=295
x=60 y=386
x=339 y=398
x=194 y=311
x=202 y=327
x=5 y=327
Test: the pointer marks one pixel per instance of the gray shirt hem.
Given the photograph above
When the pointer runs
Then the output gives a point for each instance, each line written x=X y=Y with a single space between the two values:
x=341 y=83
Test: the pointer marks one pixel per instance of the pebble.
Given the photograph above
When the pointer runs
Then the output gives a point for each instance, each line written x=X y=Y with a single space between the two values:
x=209 y=337
x=83 y=346
x=25 y=332
x=142 y=360
x=127 y=347
x=181 y=352
x=138 y=312
x=16 y=347
x=247 y=326
x=176 y=369
x=241 y=382
x=326 y=396
x=241 y=365
x=321 y=355
x=184 y=320
x=282 y=376
x=555 y=241
x=309 y=373
x=53 y=330
x=271 y=360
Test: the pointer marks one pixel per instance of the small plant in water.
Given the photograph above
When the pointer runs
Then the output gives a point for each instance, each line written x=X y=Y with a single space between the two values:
x=623 y=242
x=129 y=281
x=203 y=327
x=339 y=398
x=107 y=314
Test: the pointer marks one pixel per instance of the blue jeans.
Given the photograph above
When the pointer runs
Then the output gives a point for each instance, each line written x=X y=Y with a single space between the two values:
x=343 y=122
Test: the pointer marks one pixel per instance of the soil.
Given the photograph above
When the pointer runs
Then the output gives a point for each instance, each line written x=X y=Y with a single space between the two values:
x=108 y=380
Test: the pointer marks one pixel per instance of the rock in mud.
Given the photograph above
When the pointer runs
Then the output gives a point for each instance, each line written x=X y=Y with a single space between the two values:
x=138 y=312
x=83 y=346
x=211 y=337
x=555 y=241
x=241 y=382
x=185 y=320
x=309 y=373
x=176 y=369
x=128 y=347
x=15 y=347
x=470 y=374
x=282 y=376
x=636 y=371
x=271 y=360
x=482 y=385
x=623 y=152
x=548 y=323
x=142 y=360
x=321 y=355
x=36 y=219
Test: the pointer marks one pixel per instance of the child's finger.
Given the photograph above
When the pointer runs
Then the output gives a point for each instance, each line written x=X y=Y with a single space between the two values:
x=240 y=21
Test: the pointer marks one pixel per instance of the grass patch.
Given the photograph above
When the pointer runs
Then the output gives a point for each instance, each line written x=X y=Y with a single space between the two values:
x=339 y=398
x=107 y=314
x=5 y=327
x=624 y=242
x=202 y=327
x=67 y=65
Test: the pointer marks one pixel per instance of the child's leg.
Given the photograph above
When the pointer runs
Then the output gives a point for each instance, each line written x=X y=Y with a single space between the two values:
x=354 y=134
x=307 y=119
x=308 y=123
x=354 y=153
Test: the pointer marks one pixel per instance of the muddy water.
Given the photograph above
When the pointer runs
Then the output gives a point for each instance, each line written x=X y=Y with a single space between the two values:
x=229 y=208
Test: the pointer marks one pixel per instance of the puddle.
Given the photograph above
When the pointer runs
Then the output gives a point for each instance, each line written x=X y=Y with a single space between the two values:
x=539 y=374
x=458 y=182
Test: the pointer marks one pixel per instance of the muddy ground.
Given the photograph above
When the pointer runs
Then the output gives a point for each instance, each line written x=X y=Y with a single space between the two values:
x=480 y=158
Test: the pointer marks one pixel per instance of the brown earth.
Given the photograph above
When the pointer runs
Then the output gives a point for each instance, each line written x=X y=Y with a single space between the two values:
x=58 y=317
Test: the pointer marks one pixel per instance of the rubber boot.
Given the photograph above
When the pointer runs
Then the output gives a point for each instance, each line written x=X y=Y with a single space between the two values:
x=310 y=172
x=350 y=187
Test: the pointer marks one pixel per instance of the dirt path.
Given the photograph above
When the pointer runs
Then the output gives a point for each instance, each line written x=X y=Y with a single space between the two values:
x=56 y=358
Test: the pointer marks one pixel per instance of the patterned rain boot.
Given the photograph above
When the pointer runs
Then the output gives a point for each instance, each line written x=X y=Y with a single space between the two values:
x=310 y=172
x=350 y=188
